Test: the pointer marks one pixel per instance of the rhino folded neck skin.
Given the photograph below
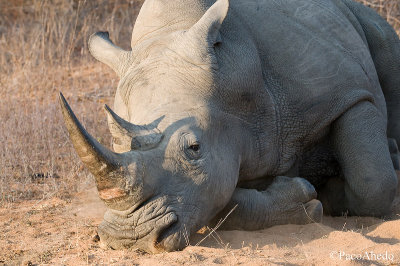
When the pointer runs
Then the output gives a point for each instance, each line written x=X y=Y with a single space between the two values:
x=179 y=168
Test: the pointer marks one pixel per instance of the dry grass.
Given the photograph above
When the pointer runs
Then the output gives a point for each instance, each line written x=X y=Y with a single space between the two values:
x=388 y=9
x=43 y=50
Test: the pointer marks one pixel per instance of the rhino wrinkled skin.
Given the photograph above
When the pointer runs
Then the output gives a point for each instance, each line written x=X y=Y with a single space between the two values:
x=279 y=108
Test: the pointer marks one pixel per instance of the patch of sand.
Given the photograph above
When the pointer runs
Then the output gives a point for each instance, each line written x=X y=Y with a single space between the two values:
x=56 y=231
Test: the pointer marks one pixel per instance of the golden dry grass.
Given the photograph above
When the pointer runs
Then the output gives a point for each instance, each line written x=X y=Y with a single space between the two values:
x=388 y=9
x=43 y=50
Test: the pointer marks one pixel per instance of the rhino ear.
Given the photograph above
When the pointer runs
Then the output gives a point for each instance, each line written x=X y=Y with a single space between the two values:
x=104 y=50
x=207 y=28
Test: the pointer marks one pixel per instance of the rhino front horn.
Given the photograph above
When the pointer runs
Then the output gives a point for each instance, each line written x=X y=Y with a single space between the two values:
x=108 y=168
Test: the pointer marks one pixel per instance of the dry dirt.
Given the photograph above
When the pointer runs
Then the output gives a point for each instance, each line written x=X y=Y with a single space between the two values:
x=63 y=231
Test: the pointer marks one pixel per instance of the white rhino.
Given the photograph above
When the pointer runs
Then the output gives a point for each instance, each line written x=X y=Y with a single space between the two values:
x=277 y=107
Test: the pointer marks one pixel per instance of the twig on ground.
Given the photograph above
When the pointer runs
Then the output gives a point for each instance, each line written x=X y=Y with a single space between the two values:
x=217 y=226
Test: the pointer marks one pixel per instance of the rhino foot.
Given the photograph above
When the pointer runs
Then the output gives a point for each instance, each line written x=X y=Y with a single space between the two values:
x=286 y=201
x=296 y=201
x=314 y=211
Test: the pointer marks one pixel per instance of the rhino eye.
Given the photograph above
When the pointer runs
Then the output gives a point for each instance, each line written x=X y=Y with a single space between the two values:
x=193 y=151
x=194 y=147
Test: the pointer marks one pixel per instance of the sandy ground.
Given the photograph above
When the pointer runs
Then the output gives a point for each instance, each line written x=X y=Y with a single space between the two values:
x=58 y=231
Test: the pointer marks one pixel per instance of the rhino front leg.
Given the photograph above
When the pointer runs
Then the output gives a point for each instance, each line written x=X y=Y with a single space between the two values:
x=369 y=181
x=286 y=200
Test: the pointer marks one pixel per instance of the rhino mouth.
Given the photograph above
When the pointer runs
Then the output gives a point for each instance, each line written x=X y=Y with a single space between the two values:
x=170 y=238
x=154 y=226
x=168 y=232
x=164 y=234
x=178 y=234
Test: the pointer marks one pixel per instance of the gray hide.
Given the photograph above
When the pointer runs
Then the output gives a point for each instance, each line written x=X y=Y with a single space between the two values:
x=275 y=107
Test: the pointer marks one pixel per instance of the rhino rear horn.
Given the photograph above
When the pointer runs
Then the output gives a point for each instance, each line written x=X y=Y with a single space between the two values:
x=137 y=137
x=107 y=167
x=104 y=50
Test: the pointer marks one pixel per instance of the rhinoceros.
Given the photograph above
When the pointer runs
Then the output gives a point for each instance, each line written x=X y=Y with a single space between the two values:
x=269 y=111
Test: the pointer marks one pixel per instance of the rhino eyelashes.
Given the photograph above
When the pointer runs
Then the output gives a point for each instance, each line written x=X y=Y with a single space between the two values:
x=137 y=137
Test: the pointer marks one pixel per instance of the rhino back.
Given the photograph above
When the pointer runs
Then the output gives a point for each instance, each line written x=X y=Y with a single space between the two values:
x=316 y=64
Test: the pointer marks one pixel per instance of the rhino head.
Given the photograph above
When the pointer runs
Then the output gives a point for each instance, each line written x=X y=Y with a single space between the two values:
x=177 y=166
